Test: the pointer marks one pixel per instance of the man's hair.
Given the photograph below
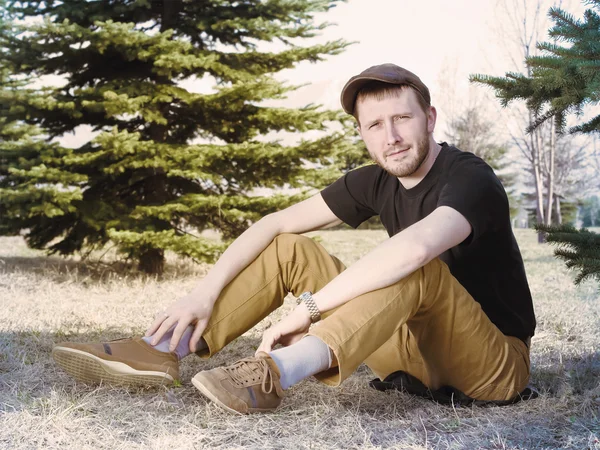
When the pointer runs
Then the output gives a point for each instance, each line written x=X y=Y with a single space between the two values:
x=380 y=90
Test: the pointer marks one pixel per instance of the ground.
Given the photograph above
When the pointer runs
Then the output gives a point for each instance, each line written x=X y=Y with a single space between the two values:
x=45 y=300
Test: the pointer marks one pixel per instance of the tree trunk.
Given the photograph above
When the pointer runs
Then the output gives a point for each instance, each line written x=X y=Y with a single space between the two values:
x=152 y=261
x=537 y=176
x=550 y=187
x=558 y=212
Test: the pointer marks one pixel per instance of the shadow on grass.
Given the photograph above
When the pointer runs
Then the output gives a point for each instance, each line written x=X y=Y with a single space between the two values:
x=579 y=373
x=63 y=269
x=26 y=366
x=573 y=375
x=31 y=383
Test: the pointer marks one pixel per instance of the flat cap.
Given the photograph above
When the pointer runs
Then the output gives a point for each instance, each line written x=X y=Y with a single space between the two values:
x=387 y=73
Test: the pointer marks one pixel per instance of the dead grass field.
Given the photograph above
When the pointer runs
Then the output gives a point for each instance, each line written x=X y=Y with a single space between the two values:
x=46 y=300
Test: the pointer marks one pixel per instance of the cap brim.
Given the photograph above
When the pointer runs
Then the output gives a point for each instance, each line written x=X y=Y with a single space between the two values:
x=350 y=91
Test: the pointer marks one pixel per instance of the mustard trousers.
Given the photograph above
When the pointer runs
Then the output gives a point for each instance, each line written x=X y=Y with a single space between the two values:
x=426 y=324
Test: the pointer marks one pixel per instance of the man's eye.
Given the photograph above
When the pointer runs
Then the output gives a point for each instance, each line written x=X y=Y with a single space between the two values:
x=373 y=125
x=400 y=117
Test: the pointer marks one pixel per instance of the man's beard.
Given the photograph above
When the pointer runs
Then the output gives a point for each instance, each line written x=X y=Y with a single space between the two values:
x=408 y=165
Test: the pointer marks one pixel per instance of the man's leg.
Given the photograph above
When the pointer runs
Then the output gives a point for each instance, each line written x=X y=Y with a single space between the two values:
x=399 y=353
x=459 y=345
x=291 y=263
x=454 y=344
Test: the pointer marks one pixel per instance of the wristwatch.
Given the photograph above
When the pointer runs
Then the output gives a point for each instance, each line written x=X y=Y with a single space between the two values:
x=308 y=300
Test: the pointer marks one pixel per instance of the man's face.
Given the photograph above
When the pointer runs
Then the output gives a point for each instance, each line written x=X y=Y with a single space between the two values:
x=396 y=131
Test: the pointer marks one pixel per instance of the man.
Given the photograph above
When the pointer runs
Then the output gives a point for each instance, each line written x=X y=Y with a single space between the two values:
x=444 y=299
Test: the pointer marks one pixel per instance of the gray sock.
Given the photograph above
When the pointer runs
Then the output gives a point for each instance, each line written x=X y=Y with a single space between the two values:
x=308 y=356
x=183 y=348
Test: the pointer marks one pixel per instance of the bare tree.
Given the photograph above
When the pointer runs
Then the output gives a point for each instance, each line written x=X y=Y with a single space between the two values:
x=571 y=172
x=521 y=26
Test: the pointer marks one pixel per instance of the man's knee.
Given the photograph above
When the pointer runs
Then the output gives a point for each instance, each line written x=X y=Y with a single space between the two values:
x=288 y=244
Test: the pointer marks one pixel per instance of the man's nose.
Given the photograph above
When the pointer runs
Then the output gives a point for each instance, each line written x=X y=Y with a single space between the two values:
x=392 y=135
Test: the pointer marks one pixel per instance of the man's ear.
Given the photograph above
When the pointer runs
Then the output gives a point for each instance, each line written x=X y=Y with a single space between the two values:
x=358 y=129
x=431 y=119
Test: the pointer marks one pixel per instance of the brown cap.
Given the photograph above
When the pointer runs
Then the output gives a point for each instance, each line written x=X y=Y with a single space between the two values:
x=388 y=73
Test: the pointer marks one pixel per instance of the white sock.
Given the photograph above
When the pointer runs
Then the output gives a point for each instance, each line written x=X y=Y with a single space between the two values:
x=308 y=356
x=183 y=348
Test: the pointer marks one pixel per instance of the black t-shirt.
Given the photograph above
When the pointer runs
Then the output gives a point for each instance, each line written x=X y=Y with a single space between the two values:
x=488 y=263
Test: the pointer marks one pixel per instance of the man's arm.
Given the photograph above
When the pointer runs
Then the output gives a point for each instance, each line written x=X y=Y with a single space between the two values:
x=196 y=307
x=388 y=263
x=396 y=257
x=311 y=214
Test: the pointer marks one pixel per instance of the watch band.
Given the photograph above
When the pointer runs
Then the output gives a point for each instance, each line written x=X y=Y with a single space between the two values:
x=309 y=301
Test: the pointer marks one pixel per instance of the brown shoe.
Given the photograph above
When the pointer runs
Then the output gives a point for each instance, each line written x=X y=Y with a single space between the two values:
x=130 y=362
x=250 y=385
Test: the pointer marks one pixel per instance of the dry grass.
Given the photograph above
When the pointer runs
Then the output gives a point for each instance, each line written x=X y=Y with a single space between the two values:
x=46 y=300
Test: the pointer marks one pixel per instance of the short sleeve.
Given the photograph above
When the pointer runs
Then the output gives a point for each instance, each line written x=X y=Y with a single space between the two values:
x=351 y=196
x=476 y=192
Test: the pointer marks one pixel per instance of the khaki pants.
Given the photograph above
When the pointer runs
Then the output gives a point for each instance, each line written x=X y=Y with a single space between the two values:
x=426 y=324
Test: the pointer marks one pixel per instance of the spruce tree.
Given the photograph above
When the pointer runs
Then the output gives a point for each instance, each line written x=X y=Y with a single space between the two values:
x=30 y=172
x=564 y=79
x=166 y=162
x=29 y=165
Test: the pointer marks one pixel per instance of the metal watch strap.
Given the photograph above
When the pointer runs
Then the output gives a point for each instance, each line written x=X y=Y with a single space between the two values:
x=308 y=300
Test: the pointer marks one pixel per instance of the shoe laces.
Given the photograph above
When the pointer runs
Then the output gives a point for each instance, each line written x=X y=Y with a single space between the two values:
x=249 y=371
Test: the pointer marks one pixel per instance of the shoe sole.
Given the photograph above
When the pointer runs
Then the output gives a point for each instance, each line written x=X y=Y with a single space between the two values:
x=91 y=369
x=204 y=391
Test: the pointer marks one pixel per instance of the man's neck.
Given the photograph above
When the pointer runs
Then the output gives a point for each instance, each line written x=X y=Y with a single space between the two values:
x=415 y=178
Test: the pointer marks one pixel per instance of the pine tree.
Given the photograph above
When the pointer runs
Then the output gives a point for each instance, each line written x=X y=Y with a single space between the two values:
x=563 y=80
x=166 y=162
x=579 y=248
x=29 y=166
x=29 y=172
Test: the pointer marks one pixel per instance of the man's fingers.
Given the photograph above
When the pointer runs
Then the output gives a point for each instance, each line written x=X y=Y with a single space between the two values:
x=160 y=318
x=177 y=333
x=267 y=343
x=164 y=327
x=197 y=334
x=150 y=331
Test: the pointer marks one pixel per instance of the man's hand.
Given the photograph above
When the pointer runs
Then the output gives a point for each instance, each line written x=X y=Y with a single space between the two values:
x=193 y=309
x=289 y=330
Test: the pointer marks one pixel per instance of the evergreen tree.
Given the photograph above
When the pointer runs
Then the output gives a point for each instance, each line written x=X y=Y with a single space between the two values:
x=579 y=248
x=29 y=172
x=29 y=166
x=167 y=162
x=563 y=80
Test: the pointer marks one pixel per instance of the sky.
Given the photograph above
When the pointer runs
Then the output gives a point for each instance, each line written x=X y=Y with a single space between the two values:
x=441 y=41
x=421 y=36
